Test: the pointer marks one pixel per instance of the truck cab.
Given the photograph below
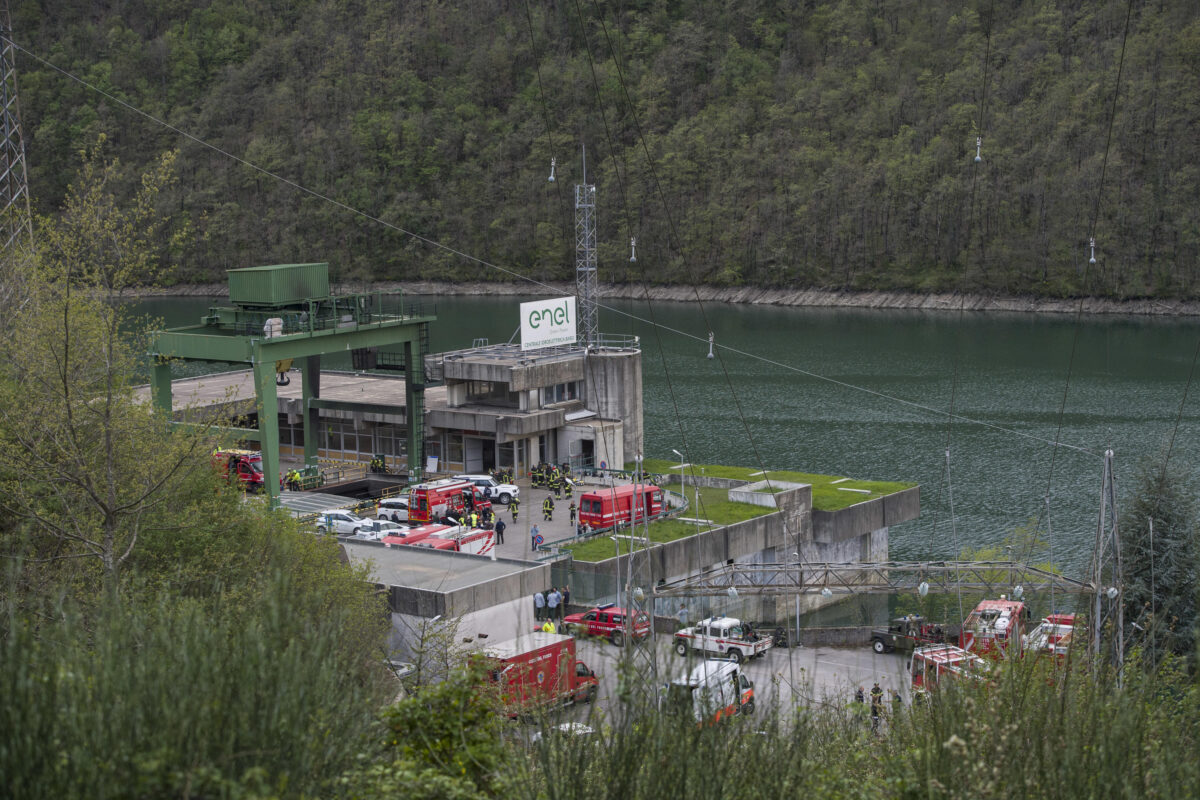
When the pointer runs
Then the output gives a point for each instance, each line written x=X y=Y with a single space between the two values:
x=726 y=637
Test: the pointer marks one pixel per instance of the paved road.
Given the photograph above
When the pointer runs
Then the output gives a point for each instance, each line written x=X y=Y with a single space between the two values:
x=805 y=676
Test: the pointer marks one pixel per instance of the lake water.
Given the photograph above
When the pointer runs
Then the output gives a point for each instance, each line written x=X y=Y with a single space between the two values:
x=865 y=393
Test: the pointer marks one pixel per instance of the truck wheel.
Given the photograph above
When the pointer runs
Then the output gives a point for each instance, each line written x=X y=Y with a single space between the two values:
x=382 y=517
x=355 y=531
x=321 y=529
x=618 y=638
x=506 y=498
x=593 y=690
x=878 y=646
x=749 y=707
x=681 y=647
x=735 y=655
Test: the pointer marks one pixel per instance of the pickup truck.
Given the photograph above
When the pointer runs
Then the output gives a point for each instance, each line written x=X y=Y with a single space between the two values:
x=908 y=633
x=726 y=637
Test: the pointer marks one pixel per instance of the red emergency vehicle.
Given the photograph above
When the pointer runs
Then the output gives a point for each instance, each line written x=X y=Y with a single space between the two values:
x=931 y=664
x=538 y=669
x=418 y=534
x=626 y=504
x=995 y=628
x=429 y=502
x=245 y=465
x=476 y=540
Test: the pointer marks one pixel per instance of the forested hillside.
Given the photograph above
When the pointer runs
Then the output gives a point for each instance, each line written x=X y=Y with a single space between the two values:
x=772 y=143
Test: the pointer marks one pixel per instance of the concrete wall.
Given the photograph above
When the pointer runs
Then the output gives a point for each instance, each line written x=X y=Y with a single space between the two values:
x=830 y=527
x=613 y=389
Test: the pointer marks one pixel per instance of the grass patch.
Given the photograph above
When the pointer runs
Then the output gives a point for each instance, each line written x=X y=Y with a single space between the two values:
x=826 y=494
x=714 y=506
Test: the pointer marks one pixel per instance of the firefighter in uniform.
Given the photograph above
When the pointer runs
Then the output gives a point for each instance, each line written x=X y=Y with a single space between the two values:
x=568 y=487
x=515 y=508
x=548 y=509
x=571 y=511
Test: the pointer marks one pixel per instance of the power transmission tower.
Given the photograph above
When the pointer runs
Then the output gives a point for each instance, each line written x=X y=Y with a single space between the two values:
x=15 y=215
x=1108 y=614
x=585 y=259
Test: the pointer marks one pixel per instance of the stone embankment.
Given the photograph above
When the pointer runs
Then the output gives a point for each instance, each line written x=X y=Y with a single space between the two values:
x=818 y=298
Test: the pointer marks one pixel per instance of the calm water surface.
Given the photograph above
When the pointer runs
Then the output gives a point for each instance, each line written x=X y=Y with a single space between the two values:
x=865 y=393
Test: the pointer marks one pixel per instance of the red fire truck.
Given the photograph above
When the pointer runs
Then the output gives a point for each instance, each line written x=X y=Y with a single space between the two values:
x=603 y=508
x=476 y=540
x=995 y=628
x=418 y=534
x=245 y=465
x=538 y=669
x=931 y=664
x=429 y=502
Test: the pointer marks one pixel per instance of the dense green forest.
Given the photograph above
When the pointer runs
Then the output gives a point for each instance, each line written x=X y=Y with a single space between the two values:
x=782 y=144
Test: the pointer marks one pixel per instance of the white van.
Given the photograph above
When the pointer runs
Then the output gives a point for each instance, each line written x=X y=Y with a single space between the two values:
x=711 y=692
x=492 y=489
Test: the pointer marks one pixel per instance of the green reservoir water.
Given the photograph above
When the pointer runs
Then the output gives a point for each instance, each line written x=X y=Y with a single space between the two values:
x=865 y=393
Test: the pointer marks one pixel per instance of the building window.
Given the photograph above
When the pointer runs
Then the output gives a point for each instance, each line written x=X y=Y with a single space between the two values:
x=561 y=393
x=454 y=448
x=492 y=393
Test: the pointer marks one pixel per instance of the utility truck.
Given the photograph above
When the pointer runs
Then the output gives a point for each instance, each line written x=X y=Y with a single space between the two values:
x=929 y=665
x=1052 y=637
x=725 y=637
x=995 y=628
x=539 y=669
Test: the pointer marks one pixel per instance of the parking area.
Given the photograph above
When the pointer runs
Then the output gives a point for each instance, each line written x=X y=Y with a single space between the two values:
x=784 y=678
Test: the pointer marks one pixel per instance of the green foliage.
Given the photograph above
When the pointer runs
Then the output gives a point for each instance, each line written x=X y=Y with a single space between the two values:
x=1160 y=593
x=169 y=696
x=774 y=144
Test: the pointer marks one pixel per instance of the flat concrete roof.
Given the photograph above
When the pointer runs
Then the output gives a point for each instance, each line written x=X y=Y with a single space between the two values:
x=314 y=502
x=431 y=570
x=238 y=385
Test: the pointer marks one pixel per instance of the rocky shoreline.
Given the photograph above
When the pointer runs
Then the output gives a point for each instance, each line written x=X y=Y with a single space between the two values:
x=750 y=295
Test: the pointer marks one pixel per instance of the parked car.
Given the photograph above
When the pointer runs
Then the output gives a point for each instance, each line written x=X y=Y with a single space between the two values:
x=375 y=531
x=341 y=522
x=492 y=489
x=606 y=622
x=393 y=508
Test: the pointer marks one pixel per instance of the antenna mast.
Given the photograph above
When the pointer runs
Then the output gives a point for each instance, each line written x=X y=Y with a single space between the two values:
x=585 y=258
x=1108 y=604
x=15 y=215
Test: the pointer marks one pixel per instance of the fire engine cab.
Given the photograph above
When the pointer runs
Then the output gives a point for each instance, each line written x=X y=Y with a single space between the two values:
x=243 y=465
x=429 y=502
x=995 y=628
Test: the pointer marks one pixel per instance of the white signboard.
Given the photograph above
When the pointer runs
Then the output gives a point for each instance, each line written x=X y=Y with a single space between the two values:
x=545 y=323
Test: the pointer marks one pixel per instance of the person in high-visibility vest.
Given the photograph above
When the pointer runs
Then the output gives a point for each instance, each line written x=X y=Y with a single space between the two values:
x=515 y=508
x=548 y=627
x=548 y=509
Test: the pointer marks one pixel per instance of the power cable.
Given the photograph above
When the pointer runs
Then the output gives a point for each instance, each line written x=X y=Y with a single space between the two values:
x=717 y=347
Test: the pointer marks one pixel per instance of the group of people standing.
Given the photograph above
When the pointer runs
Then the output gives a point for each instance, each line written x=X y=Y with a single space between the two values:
x=876 y=703
x=548 y=606
x=548 y=475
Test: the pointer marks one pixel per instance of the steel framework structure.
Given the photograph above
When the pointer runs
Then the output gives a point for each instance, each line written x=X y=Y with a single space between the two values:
x=585 y=259
x=15 y=216
x=884 y=577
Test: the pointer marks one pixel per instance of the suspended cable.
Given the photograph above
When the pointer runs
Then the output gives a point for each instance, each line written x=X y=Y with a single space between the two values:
x=1087 y=267
x=537 y=64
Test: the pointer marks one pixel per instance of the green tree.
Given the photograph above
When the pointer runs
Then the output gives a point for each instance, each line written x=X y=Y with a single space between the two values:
x=1160 y=556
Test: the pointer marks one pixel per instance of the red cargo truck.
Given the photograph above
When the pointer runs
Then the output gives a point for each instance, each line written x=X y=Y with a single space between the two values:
x=418 y=534
x=538 y=669
x=603 y=508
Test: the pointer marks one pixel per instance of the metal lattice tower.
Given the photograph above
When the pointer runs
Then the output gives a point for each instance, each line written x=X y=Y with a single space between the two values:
x=585 y=259
x=1108 y=607
x=15 y=216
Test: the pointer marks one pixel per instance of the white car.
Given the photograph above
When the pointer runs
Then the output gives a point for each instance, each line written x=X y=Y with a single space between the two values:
x=393 y=508
x=492 y=489
x=341 y=522
x=375 y=531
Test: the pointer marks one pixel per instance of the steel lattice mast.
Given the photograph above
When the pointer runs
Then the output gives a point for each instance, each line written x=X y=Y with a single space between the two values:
x=14 y=180
x=585 y=259
x=1108 y=605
